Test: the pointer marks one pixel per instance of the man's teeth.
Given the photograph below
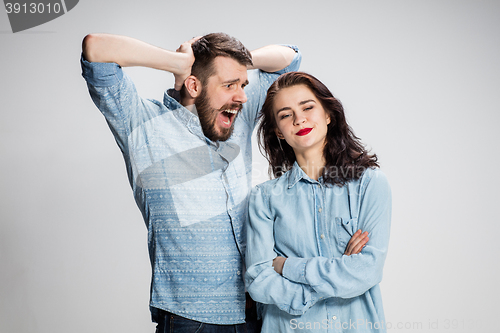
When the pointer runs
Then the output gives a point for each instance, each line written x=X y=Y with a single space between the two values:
x=228 y=122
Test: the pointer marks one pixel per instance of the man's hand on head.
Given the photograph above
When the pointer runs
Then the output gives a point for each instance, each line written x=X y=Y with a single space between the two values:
x=184 y=69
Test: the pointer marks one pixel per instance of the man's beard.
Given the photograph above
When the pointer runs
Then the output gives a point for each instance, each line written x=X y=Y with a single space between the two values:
x=208 y=118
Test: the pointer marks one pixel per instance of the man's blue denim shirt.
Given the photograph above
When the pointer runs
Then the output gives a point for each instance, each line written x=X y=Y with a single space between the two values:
x=310 y=224
x=192 y=192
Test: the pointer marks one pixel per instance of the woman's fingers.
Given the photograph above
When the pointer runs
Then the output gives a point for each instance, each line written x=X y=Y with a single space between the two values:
x=356 y=243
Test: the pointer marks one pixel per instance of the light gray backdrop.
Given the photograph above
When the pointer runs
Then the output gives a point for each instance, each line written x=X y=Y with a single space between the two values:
x=420 y=81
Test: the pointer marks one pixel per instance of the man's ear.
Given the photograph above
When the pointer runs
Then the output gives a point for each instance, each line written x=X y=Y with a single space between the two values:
x=193 y=86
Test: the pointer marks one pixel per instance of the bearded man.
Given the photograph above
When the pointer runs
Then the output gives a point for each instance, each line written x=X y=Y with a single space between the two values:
x=189 y=160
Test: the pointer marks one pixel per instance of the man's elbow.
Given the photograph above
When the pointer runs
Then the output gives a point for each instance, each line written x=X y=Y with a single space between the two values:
x=288 y=54
x=89 y=46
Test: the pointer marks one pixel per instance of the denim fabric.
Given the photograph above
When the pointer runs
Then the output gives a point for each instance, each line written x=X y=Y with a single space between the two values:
x=310 y=224
x=171 y=323
x=192 y=192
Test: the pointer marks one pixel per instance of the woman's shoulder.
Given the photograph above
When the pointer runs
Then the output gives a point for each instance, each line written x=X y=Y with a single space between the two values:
x=371 y=177
x=371 y=173
x=272 y=184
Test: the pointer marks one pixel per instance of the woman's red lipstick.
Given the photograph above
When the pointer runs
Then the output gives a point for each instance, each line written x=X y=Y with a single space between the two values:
x=303 y=131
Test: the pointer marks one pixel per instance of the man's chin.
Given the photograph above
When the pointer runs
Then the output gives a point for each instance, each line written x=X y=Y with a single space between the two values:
x=225 y=133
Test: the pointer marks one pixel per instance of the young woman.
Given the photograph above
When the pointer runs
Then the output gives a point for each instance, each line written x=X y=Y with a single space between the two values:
x=304 y=259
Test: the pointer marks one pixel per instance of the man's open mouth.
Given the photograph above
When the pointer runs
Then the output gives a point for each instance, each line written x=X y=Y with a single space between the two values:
x=227 y=117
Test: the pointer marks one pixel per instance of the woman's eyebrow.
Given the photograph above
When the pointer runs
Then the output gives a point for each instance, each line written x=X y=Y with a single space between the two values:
x=283 y=109
x=307 y=101
x=300 y=103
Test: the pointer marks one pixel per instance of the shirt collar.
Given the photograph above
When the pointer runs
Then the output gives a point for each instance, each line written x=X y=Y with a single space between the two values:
x=171 y=99
x=296 y=174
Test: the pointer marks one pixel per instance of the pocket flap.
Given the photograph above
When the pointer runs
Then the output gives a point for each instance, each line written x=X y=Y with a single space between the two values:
x=350 y=225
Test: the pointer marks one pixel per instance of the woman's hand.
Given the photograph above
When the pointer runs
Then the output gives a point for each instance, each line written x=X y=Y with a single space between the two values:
x=278 y=263
x=356 y=243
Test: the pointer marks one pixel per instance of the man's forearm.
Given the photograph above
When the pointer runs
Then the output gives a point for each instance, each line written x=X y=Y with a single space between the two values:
x=127 y=51
x=272 y=58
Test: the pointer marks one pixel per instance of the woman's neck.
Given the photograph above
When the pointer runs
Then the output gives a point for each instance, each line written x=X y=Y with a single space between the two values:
x=311 y=162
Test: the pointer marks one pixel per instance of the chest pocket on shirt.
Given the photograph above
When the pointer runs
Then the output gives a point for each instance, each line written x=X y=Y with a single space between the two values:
x=345 y=229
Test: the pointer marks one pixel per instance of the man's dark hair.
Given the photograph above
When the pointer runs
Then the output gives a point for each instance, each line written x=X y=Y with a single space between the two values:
x=213 y=45
x=345 y=156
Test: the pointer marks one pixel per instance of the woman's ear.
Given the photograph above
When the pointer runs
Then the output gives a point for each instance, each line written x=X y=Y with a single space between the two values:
x=328 y=119
x=279 y=134
x=193 y=86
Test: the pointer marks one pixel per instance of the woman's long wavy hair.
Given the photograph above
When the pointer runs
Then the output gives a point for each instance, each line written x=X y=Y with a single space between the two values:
x=345 y=156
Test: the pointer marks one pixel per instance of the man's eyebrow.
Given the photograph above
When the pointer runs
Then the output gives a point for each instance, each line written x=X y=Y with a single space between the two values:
x=234 y=81
x=300 y=103
x=230 y=81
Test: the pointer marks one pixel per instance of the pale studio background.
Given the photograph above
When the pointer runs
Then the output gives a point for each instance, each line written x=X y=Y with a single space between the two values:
x=420 y=82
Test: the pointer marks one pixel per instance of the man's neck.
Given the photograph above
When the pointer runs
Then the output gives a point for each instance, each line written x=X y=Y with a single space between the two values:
x=187 y=102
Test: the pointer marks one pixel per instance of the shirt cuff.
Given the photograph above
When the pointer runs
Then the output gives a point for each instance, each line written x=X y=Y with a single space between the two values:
x=294 y=270
x=101 y=74
x=295 y=64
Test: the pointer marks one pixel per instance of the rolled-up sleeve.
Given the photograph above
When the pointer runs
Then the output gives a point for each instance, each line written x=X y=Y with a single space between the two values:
x=115 y=95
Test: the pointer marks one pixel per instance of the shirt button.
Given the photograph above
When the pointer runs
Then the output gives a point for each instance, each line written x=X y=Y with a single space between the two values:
x=322 y=236
x=334 y=317
x=238 y=273
x=319 y=210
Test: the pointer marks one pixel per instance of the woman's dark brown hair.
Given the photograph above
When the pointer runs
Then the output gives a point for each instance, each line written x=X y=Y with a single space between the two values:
x=345 y=156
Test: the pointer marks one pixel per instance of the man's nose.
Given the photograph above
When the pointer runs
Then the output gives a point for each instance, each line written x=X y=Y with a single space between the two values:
x=240 y=96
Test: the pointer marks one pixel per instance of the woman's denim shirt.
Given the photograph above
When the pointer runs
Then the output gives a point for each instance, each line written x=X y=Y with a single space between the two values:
x=310 y=223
